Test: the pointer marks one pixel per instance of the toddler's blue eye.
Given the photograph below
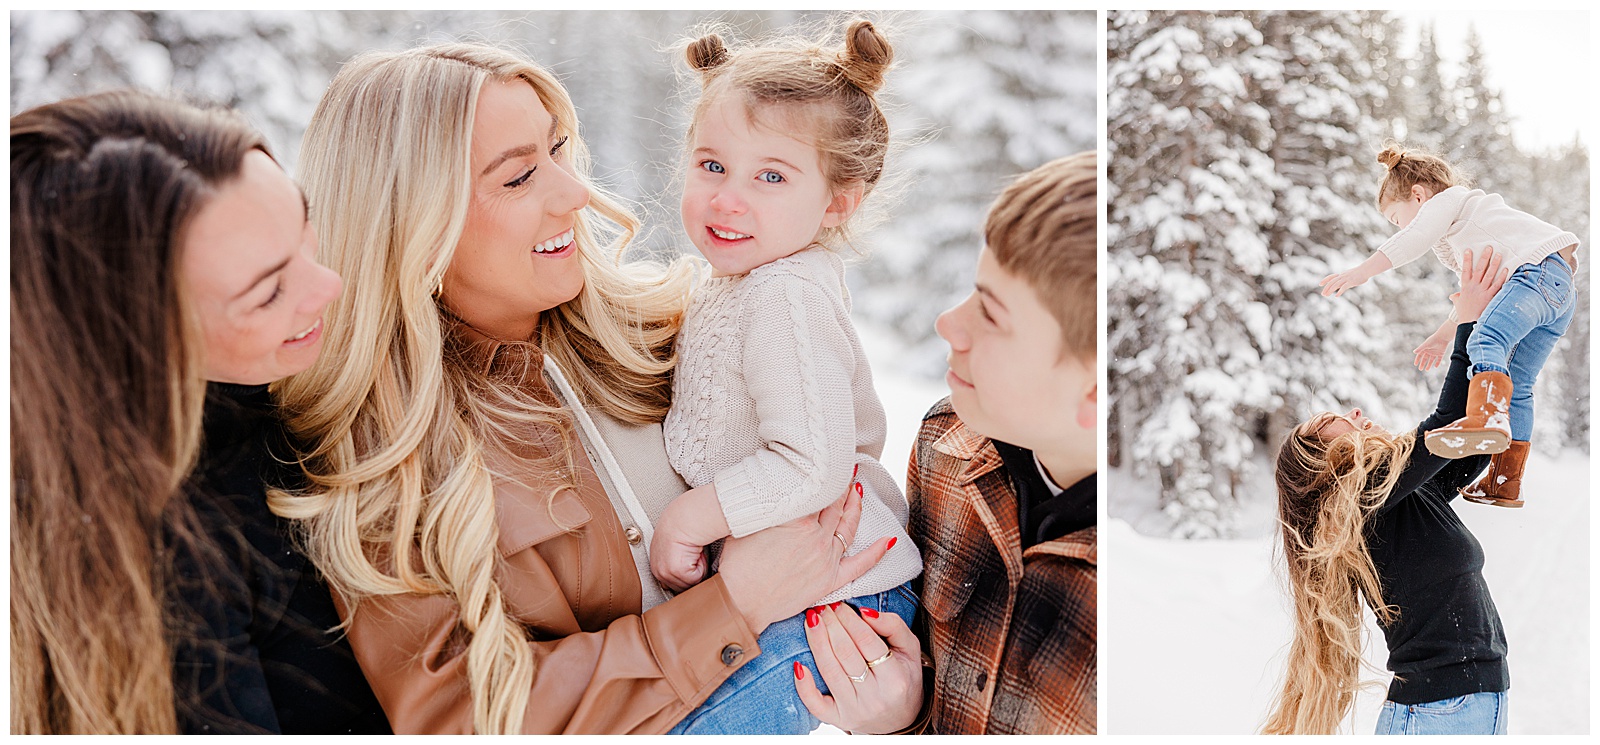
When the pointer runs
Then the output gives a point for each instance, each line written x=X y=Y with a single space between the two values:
x=713 y=166
x=771 y=177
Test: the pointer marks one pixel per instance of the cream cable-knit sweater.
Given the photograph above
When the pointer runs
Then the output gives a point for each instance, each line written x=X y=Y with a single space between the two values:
x=1459 y=218
x=773 y=401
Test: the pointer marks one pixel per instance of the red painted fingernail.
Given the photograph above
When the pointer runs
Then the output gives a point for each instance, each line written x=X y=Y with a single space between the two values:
x=855 y=471
x=869 y=613
x=799 y=671
x=812 y=619
x=891 y=541
x=858 y=490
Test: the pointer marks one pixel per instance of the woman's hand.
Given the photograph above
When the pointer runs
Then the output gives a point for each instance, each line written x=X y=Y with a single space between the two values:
x=775 y=573
x=1481 y=278
x=1433 y=350
x=842 y=642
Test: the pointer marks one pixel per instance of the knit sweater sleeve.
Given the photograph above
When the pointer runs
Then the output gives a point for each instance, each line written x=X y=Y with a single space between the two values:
x=1427 y=228
x=798 y=365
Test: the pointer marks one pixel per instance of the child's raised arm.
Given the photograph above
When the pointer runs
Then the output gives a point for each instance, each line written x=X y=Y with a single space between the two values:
x=1433 y=220
x=1334 y=285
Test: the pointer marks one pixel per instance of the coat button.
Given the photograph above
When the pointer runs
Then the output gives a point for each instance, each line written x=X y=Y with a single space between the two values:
x=634 y=535
x=983 y=680
x=732 y=654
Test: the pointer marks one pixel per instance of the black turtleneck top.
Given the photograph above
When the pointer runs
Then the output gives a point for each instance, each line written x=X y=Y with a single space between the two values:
x=1447 y=640
x=254 y=650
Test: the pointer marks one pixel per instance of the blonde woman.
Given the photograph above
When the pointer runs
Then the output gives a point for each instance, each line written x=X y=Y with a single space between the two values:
x=1362 y=508
x=486 y=456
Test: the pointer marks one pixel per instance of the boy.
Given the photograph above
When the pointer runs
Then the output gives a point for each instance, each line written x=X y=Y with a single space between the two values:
x=1002 y=493
x=1002 y=480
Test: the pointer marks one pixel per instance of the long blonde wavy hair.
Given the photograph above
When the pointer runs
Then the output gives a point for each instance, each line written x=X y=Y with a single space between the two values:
x=401 y=500
x=1327 y=489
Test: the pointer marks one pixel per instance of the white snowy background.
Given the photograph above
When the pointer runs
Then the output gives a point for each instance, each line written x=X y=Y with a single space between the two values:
x=976 y=98
x=1241 y=172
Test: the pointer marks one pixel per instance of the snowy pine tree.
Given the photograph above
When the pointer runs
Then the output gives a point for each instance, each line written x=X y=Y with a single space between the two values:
x=1188 y=216
x=270 y=65
x=1481 y=144
x=991 y=95
x=1431 y=121
x=1325 y=222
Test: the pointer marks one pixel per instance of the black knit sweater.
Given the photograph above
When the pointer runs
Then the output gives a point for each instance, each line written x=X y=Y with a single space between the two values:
x=1447 y=640
x=253 y=650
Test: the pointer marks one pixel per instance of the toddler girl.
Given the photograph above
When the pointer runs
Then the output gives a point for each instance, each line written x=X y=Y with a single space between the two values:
x=773 y=405
x=1434 y=209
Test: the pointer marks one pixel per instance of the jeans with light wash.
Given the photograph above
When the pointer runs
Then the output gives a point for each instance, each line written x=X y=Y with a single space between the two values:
x=760 y=698
x=1518 y=329
x=1472 y=714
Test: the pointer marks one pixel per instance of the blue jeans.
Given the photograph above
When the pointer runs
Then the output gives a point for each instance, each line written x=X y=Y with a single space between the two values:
x=760 y=698
x=1473 y=714
x=1518 y=329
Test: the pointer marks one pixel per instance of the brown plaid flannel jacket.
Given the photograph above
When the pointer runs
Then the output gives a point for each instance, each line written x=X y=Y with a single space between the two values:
x=1011 y=632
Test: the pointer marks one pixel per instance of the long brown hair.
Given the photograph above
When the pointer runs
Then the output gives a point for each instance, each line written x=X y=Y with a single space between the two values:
x=106 y=397
x=1327 y=489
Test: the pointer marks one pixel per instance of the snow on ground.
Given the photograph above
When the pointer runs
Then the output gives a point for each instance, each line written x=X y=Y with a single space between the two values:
x=1194 y=633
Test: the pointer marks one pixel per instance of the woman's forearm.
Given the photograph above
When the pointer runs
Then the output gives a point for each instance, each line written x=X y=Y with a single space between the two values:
x=1452 y=405
x=639 y=674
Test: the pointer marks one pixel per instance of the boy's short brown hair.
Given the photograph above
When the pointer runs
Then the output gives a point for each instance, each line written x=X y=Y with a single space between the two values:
x=1042 y=229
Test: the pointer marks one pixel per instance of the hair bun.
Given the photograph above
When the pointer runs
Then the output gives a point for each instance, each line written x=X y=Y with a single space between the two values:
x=866 y=56
x=1391 y=156
x=707 y=53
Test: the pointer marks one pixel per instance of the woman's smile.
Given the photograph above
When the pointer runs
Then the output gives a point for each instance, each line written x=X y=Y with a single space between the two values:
x=556 y=246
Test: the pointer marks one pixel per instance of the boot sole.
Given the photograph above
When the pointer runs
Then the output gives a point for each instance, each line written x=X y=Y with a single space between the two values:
x=1492 y=502
x=1453 y=445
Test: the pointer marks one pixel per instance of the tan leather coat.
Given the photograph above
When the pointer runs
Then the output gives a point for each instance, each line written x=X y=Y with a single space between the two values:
x=611 y=653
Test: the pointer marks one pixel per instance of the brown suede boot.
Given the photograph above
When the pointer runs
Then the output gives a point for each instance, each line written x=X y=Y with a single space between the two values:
x=1501 y=485
x=1486 y=429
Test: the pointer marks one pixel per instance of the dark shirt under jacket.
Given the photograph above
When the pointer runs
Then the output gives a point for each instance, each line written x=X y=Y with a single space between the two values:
x=1043 y=515
x=256 y=655
x=1447 y=640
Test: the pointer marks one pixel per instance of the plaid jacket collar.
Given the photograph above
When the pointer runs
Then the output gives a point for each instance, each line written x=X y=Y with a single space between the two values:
x=978 y=451
x=998 y=510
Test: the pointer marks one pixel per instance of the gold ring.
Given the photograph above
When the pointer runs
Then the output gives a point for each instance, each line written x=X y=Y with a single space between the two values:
x=858 y=679
x=842 y=545
x=885 y=658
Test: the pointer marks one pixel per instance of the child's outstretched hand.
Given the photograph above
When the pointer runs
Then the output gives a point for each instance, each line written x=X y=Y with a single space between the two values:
x=1432 y=352
x=1334 y=285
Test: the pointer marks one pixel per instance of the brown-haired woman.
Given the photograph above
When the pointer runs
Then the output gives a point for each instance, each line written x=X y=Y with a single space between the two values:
x=1366 y=513
x=156 y=246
